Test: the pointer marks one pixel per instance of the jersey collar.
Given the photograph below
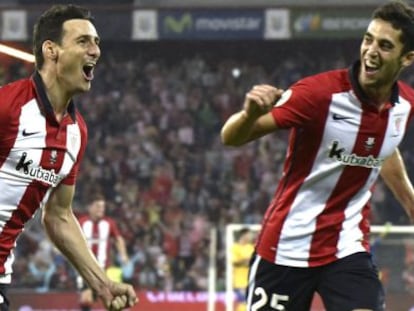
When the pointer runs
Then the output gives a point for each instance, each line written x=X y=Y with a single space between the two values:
x=353 y=77
x=44 y=100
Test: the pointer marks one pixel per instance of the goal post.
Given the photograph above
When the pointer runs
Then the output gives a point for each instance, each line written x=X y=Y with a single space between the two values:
x=381 y=231
x=212 y=270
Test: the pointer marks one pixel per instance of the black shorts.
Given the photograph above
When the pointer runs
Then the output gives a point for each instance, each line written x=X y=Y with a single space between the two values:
x=347 y=284
x=82 y=286
x=4 y=302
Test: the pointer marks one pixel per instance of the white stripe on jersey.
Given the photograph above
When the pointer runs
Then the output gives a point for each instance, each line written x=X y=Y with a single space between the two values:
x=31 y=121
x=30 y=114
x=351 y=236
x=252 y=284
x=397 y=123
x=73 y=143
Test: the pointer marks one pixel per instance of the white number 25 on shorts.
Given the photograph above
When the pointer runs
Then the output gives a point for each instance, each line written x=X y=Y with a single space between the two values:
x=276 y=301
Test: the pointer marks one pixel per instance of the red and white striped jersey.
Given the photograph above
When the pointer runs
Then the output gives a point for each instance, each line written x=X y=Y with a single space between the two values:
x=338 y=142
x=98 y=235
x=37 y=153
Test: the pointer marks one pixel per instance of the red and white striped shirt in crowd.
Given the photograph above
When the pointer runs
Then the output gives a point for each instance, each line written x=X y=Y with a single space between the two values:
x=338 y=142
x=37 y=153
x=98 y=235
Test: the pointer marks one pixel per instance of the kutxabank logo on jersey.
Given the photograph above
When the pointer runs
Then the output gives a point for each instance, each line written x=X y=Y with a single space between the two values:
x=339 y=154
x=24 y=166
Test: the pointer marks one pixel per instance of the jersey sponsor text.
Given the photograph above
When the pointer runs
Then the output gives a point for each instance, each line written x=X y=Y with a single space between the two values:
x=339 y=154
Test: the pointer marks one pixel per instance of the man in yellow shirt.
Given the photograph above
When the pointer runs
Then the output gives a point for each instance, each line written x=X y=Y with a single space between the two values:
x=241 y=252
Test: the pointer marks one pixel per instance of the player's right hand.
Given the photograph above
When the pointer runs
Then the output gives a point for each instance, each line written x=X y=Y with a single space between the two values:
x=118 y=296
x=260 y=99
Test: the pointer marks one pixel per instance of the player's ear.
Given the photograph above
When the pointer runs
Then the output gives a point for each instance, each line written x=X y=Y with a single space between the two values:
x=408 y=59
x=49 y=50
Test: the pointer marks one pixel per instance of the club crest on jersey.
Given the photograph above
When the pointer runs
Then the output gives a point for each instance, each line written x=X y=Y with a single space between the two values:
x=397 y=126
x=369 y=143
x=53 y=157
x=285 y=97
x=338 y=153
x=73 y=138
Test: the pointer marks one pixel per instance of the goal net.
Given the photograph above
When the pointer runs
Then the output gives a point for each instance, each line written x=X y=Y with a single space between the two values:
x=393 y=252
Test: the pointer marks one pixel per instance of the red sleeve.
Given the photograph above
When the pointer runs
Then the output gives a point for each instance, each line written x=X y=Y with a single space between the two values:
x=9 y=125
x=71 y=178
x=81 y=219
x=114 y=228
x=408 y=93
x=299 y=106
x=12 y=97
x=4 y=107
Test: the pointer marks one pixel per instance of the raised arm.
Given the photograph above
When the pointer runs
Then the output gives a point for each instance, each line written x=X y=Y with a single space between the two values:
x=395 y=176
x=254 y=120
x=64 y=231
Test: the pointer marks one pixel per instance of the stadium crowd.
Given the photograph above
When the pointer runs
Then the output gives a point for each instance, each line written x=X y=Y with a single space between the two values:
x=154 y=116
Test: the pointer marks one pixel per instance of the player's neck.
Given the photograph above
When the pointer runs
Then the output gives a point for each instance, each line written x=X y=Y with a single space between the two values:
x=378 y=96
x=58 y=98
x=95 y=219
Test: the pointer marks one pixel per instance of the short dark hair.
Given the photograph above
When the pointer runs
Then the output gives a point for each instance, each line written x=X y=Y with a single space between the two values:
x=243 y=231
x=401 y=16
x=50 y=26
x=97 y=197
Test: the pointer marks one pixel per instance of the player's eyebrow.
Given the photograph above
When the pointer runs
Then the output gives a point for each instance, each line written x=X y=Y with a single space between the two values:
x=381 y=41
x=95 y=39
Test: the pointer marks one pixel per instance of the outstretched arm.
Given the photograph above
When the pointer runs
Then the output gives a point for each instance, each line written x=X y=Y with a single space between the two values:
x=64 y=231
x=395 y=176
x=254 y=120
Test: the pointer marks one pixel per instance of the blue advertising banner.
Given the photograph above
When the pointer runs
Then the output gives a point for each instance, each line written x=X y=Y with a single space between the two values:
x=330 y=23
x=210 y=24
